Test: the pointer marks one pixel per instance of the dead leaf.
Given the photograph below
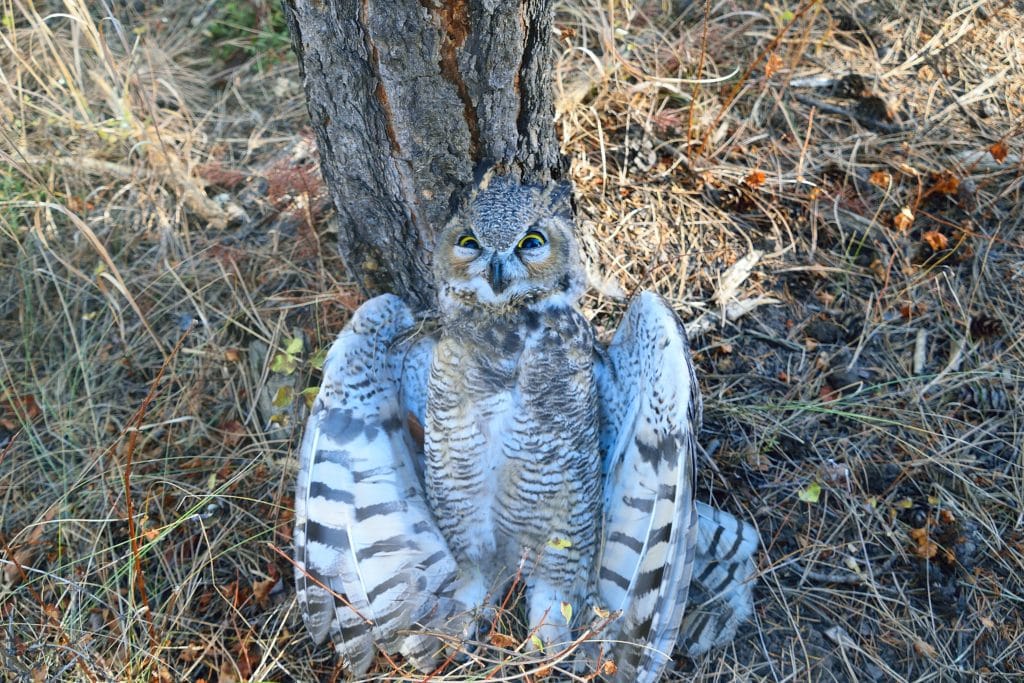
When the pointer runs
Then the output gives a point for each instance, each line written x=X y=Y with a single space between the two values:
x=261 y=589
x=772 y=65
x=609 y=668
x=755 y=179
x=233 y=431
x=882 y=179
x=944 y=183
x=999 y=151
x=903 y=220
x=17 y=410
x=935 y=239
x=924 y=547
x=283 y=397
x=501 y=640
x=924 y=649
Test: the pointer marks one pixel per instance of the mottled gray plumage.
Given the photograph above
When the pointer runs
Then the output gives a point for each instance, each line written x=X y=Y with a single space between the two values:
x=543 y=454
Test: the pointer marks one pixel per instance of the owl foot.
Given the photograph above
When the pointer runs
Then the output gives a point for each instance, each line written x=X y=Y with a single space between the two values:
x=549 y=620
x=468 y=625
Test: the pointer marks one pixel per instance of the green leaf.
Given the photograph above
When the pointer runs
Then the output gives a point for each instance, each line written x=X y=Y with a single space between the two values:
x=319 y=358
x=284 y=364
x=283 y=397
x=566 y=611
x=560 y=543
x=537 y=642
x=811 y=494
x=294 y=346
x=309 y=395
x=787 y=16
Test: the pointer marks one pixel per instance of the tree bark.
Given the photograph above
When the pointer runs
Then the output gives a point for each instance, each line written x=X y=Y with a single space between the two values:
x=407 y=98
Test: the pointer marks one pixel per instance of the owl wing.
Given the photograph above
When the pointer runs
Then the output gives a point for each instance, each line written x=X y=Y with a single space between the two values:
x=650 y=415
x=370 y=560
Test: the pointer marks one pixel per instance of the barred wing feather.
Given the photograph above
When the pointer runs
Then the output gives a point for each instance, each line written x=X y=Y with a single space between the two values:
x=650 y=415
x=371 y=562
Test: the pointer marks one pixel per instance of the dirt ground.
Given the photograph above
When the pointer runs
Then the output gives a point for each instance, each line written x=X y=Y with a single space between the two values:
x=830 y=195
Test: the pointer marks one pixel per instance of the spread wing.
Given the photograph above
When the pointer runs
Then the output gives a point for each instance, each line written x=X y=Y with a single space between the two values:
x=371 y=561
x=721 y=591
x=650 y=415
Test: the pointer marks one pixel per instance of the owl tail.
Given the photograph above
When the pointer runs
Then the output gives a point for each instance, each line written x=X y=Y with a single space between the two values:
x=721 y=591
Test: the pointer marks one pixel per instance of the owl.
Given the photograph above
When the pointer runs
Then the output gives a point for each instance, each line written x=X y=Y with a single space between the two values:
x=496 y=441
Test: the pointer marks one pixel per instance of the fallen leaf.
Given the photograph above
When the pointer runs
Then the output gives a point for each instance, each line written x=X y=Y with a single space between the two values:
x=924 y=649
x=935 y=239
x=609 y=667
x=261 y=589
x=755 y=179
x=283 y=363
x=924 y=547
x=811 y=494
x=566 y=610
x=23 y=407
x=944 y=183
x=319 y=358
x=882 y=179
x=309 y=395
x=772 y=65
x=904 y=219
x=501 y=640
x=283 y=397
x=999 y=151
x=233 y=431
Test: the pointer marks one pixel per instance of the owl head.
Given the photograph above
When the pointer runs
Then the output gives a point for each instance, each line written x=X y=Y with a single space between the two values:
x=508 y=245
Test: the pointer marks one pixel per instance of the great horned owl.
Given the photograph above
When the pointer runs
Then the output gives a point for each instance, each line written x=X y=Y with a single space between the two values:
x=544 y=455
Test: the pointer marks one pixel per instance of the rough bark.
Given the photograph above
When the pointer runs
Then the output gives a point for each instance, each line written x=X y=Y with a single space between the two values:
x=407 y=98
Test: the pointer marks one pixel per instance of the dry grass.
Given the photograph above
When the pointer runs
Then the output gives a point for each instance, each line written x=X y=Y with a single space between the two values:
x=143 y=494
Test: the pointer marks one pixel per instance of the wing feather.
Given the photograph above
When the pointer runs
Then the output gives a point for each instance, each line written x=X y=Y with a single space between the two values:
x=650 y=415
x=371 y=562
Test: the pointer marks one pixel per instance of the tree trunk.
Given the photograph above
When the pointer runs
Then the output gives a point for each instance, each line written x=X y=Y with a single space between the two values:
x=407 y=98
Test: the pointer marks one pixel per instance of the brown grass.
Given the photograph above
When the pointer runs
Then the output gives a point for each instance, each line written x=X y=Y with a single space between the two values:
x=886 y=374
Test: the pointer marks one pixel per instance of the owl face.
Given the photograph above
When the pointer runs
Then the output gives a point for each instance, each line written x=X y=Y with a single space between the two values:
x=509 y=245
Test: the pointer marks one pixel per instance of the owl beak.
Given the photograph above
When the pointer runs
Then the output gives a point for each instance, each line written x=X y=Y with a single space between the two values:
x=497 y=273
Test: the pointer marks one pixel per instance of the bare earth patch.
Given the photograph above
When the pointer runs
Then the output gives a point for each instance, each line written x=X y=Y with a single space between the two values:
x=830 y=194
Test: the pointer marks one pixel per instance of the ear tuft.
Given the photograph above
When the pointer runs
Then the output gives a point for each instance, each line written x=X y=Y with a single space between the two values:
x=560 y=200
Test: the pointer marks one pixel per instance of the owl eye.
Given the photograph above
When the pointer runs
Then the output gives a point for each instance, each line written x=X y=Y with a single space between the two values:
x=467 y=242
x=532 y=240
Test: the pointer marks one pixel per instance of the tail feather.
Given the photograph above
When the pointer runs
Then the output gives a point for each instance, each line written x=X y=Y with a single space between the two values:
x=721 y=590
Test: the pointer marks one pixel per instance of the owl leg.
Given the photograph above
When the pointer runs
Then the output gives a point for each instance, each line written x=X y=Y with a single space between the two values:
x=547 y=618
x=472 y=592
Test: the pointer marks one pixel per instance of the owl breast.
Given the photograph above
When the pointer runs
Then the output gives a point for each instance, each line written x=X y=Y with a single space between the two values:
x=513 y=469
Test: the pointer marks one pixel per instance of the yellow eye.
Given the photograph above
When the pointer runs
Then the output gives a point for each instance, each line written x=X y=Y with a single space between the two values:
x=532 y=240
x=467 y=242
